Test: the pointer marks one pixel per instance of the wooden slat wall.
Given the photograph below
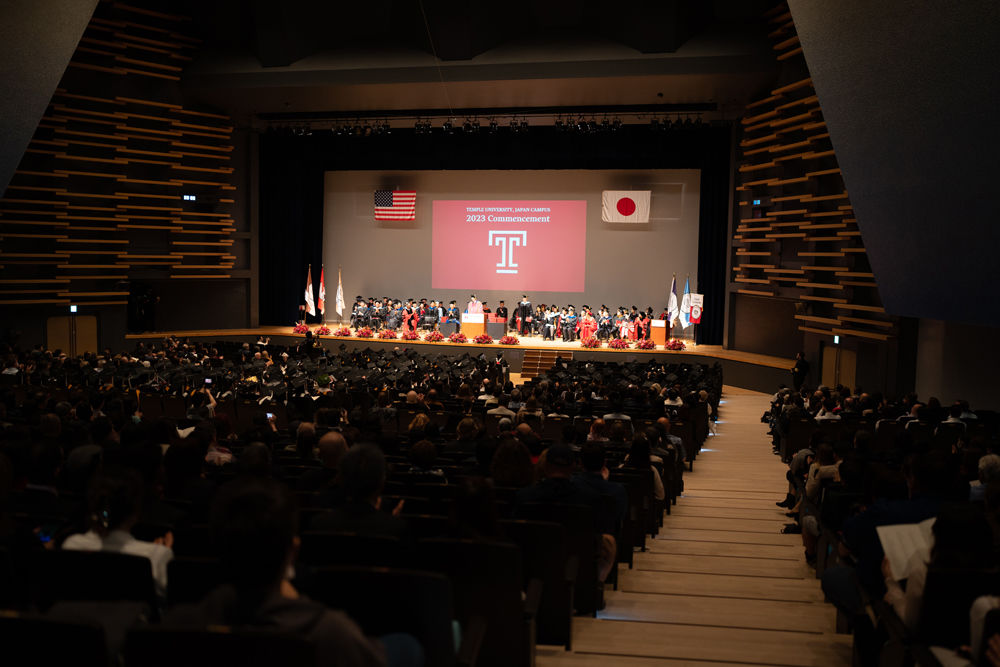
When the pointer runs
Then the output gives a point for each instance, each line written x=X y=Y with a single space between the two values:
x=803 y=241
x=99 y=196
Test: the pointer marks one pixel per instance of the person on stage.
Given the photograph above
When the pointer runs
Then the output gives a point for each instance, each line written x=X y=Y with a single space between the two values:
x=486 y=308
x=409 y=316
x=474 y=305
x=569 y=325
x=587 y=324
x=645 y=321
x=502 y=312
x=604 y=323
x=377 y=315
x=549 y=328
x=523 y=311
x=435 y=313
x=394 y=316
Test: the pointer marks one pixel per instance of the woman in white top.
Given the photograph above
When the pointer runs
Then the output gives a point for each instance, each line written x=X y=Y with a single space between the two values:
x=115 y=501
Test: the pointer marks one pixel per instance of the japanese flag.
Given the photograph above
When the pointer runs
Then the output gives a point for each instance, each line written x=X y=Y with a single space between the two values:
x=625 y=206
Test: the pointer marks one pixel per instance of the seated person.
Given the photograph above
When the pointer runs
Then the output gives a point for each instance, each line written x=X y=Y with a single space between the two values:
x=362 y=474
x=557 y=487
x=254 y=524
x=115 y=502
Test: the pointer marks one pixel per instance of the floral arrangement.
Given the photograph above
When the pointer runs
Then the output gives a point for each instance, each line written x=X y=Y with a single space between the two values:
x=410 y=335
x=510 y=340
x=591 y=342
x=645 y=344
x=483 y=339
x=434 y=337
x=458 y=338
x=364 y=332
x=322 y=330
x=619 y=344
x=300 y=328
x=675 y=344
x=342 y=331
x=387 y=333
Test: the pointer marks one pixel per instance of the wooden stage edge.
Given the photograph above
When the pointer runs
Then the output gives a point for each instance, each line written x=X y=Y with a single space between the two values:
x=710 y=353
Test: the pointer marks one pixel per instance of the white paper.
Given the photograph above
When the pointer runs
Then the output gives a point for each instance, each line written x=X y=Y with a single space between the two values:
x=905 y=545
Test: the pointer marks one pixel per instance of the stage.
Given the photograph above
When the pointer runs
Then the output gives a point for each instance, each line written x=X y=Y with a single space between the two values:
x=741 y=369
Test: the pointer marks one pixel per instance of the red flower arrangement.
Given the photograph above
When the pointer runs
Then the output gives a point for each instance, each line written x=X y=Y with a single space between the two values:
x=410 y=335
x=322 y=330
x=387 y=334
x=342 y=331
x=364 y=332
x=645 y=344
x=591 y=342
x=458 y=338
x=300 y=328
x=619 y=344
x=510 y=340
x=483 y=339
x=675 y=344
x=434 y=337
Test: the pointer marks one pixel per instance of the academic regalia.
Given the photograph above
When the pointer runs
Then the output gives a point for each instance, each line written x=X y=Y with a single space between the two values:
x=501 y=312
x=587 y=326
x=524 y=313
x=645 y=323
x=569 y=326
x=409 y=319
x=549 y=331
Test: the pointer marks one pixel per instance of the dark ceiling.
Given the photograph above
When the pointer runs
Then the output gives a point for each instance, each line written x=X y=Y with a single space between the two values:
x=301 y=57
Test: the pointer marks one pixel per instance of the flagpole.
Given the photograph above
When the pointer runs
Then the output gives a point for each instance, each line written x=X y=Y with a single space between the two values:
x=340 y=293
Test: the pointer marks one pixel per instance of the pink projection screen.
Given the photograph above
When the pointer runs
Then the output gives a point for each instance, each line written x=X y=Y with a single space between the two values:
x=537 y=246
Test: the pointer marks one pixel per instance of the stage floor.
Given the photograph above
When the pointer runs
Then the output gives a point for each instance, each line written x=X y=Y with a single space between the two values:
x=527 y=343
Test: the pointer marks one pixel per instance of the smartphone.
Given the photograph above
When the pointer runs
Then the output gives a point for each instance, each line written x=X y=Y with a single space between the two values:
x=270 y=415
x=208 y=380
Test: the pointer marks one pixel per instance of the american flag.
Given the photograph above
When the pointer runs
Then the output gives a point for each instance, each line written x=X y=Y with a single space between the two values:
x=395 y=205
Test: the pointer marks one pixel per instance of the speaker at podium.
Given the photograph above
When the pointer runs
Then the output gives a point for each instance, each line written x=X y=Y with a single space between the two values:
x=473 y=324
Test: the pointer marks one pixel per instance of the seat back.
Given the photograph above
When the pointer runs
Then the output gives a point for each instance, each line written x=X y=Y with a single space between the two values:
x=581 y=540
x=90 y=575
x=383 y=600
x=189 y=580
x=43 y=641
x=486 y=580
x=321 y=548
x=544 y=556
x=163 y=647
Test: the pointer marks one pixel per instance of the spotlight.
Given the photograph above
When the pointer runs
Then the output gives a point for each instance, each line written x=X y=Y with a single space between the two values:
x=654 y=124
x=524 y=124
x=581 y=124
x=616 y=125
x=448 y=126
x=493 y=126
x=475 y=125
x=513 y=124
x=688 y=123
x=467 y=125
x=605 y=125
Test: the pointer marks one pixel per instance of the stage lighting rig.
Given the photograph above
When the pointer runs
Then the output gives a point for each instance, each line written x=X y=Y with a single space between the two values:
x=449 y=126
x=493 y=126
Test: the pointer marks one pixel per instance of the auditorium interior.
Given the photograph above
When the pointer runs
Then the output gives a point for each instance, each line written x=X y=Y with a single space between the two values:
x=760 y=425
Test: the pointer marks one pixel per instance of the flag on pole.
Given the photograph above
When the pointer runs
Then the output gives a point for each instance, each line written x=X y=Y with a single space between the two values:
x=625 y=205
x=310 y=305
x=395 y=205
x=672 y=309
x=340 y=295
x=697 y=307
x=322 y=292
x=686 y=304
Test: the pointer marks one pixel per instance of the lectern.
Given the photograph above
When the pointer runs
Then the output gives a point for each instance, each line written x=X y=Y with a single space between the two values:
x=659 y=332
x=473 y=324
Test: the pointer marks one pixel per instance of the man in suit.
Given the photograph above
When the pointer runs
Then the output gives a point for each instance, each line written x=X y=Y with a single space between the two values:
x=569 y=324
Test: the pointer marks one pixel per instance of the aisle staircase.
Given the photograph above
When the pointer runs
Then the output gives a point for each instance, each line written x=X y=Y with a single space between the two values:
x=537 y=362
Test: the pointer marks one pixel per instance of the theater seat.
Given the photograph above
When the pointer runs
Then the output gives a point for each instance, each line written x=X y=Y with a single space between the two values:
x=42 y=641
x=219 y=647
x=385 y=600
x=90 y=575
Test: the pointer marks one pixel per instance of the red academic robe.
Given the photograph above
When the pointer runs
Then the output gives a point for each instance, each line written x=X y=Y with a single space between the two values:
x=587 y=327
x=632 y=330
x=409 y=320
x=644 y=325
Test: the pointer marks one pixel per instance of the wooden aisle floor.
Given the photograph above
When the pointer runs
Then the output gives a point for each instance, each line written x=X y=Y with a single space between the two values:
x=719 y=585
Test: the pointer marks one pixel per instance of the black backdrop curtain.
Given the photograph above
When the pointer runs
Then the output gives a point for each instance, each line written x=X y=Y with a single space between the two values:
x=291 y=190
x=291 y=226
